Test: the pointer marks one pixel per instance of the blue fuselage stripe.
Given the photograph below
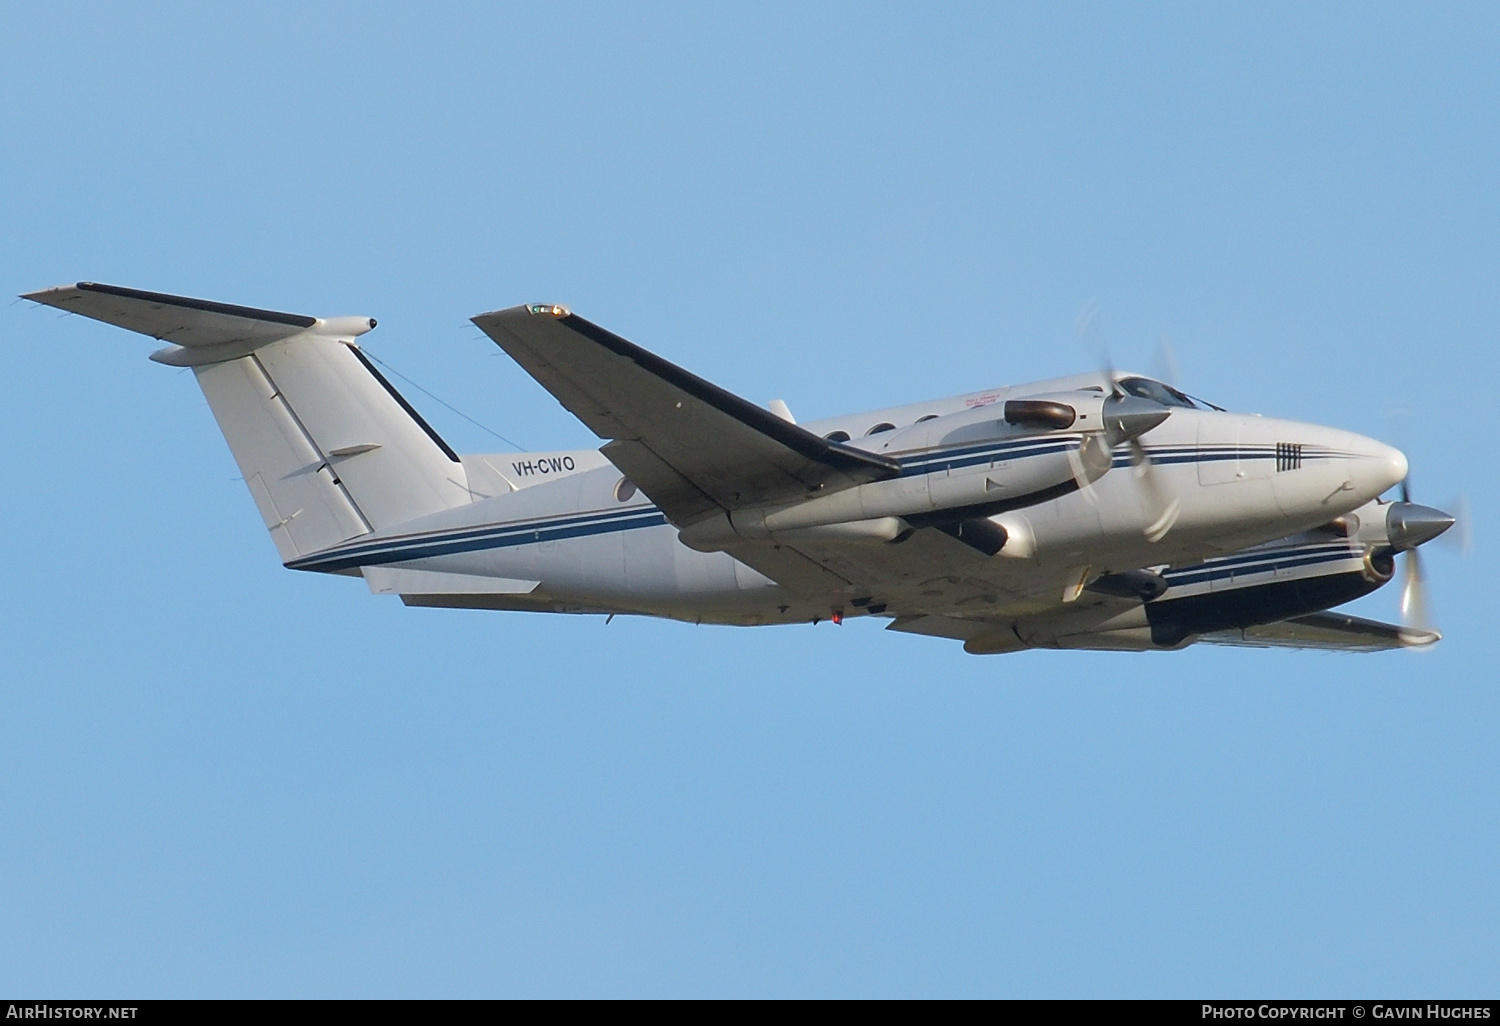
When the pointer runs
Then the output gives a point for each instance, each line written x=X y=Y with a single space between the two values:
x=579 y=525
x=507 y=536
x=1283 y=559
x=970 y=456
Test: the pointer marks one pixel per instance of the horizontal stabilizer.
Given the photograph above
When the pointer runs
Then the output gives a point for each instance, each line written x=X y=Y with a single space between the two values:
x=689 y=445
x=386 y=580
x=204 y=331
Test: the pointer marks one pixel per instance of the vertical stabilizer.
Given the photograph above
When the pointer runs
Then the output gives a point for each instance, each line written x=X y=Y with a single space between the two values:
x=327 y=447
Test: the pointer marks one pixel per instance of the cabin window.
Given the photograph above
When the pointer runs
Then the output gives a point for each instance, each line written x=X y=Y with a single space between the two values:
x=837 y=436
x=625 y=490
x=930 y=416
x=884 y=425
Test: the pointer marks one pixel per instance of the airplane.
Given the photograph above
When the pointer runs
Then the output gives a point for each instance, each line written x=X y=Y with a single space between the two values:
x=1103 y=511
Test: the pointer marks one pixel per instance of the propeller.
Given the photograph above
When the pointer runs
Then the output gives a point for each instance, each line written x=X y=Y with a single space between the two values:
x=1090 y=461
x=1415 y=612
x=1408 y=526
x=1464 y=538
x=1163 y=507
x=1164 y=365
x=1126 y=419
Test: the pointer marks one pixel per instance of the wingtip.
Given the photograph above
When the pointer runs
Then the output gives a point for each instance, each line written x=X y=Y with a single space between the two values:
x=42 y=295
x=1414 y=637
x=526 y=311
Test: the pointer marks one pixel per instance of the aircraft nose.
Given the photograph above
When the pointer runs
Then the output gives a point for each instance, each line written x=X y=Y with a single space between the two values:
x=1377 y=468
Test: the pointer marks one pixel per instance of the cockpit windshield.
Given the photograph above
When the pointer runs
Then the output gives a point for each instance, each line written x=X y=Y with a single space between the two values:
x=1157 y=392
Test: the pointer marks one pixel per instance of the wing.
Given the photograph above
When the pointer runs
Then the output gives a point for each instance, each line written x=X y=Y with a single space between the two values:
x=1337 y=632
x=695 y=449
x=1332 y=632
x=691 y=447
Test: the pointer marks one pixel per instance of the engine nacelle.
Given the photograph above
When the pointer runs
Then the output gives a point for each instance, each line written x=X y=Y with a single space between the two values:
x=978 y=482
x=960 y=467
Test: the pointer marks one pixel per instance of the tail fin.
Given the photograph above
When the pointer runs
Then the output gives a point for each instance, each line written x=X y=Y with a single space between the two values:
x=327 y=447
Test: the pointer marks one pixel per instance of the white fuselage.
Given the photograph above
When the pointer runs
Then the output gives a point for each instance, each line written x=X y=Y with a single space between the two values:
x=1102 y=510
x=565 y=532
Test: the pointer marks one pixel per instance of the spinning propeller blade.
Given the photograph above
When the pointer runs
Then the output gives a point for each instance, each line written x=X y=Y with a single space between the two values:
x=1161 y=506
x=1408 y=526
x=1414 y=609
x=1127 y=418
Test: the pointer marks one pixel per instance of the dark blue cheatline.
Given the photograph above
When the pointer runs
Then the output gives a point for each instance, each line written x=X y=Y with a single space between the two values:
x=403 y=548
x=493 y=536
x=933 y=461
x=1262 y=562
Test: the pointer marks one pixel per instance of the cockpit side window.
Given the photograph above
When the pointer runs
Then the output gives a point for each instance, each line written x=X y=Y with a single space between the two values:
x=1157 y=392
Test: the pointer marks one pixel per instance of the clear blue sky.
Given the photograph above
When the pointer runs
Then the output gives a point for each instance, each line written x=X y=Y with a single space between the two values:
x=218 y=777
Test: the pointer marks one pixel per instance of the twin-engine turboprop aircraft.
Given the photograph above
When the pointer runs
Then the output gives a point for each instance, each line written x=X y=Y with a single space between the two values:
x=1098 y=511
